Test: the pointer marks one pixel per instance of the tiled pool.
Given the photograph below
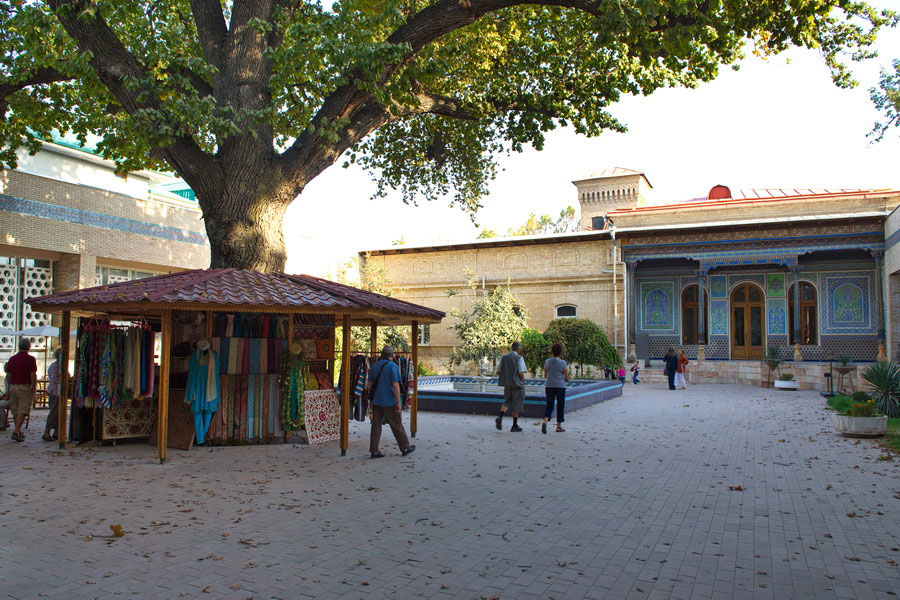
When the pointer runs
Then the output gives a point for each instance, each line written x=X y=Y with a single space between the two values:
x=461 y=394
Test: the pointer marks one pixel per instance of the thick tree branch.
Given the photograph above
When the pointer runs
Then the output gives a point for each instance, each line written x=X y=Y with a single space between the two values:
x=114 y=65
x=39 y=76
x=211 y=29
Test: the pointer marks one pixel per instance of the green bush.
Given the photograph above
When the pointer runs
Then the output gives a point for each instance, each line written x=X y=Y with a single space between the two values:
x=583 y=342
x=786 y=377
x=862 y=409
x=535 y=349
x=860 y=396
x=883 y=382
x=424 y=370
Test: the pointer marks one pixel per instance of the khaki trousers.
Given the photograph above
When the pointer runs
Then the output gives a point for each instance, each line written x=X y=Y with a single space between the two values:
x=389 y=413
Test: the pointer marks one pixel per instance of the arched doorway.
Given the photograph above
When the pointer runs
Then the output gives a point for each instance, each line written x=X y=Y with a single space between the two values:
x=747 y=322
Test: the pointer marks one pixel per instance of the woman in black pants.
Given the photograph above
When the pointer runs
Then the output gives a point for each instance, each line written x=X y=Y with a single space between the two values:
x=671 y=360
x=557 y=373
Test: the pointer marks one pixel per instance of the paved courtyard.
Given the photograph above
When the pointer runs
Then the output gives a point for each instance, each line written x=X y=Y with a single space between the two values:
x=713 y=492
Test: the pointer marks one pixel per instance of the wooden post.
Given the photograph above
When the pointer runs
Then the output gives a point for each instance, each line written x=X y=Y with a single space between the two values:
x=63 y=402
x=162 y=423
x=373 y=338
x=209 y=329
x=345 y=389
x=414 y=409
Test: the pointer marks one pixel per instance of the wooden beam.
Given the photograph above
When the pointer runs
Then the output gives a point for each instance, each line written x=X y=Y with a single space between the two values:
x=209 y=329
x=345 y=388
x=373 y=337
x=63 y=402
x=162 y=423
x=414 y=409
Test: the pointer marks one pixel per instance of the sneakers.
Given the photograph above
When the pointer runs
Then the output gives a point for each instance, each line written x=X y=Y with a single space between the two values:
x=515 y=428
x=499 y=422
x=377 y=455
x=409 y=450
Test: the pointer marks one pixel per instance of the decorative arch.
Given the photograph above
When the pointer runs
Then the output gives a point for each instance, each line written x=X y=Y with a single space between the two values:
x=809 y=313
x=566 y=311
x=690 y=314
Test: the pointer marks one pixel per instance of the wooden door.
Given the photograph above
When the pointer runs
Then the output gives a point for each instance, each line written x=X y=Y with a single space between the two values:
x=747 y=322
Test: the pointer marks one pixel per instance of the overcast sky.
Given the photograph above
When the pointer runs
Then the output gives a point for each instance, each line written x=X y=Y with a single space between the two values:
x=777 y=123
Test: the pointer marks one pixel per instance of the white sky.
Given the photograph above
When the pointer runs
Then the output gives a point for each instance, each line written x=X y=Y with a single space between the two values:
x=778 y=123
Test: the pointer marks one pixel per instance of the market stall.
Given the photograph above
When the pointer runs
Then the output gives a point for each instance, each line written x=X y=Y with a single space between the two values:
x=220 y=356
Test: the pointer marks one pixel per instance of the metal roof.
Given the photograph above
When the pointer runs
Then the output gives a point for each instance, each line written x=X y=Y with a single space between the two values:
x=238 y=290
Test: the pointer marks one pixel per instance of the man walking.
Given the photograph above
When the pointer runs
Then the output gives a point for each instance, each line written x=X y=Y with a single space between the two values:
x=386 y=402
x=21 y=372
x=511 y=375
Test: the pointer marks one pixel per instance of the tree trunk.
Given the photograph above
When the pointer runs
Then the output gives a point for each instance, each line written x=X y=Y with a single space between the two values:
x=244 y=226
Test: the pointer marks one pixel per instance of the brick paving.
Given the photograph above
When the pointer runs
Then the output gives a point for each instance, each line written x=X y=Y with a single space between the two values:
x=633 y=502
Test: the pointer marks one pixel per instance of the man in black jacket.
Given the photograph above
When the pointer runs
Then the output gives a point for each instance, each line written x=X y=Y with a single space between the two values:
x=671 y=361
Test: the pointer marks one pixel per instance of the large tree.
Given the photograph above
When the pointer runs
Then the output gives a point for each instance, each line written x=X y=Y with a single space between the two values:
x=250 y=100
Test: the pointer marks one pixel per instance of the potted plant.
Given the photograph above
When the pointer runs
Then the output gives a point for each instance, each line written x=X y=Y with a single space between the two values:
x=845 y=366
x=773 y=359
x=883 y=382
x=862 y=419
x=786 y=382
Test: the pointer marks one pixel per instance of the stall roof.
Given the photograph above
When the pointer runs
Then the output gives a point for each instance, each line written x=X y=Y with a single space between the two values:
x=239 y=291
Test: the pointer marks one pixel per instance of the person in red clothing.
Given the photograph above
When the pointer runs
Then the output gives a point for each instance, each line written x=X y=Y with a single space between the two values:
x=21 y=376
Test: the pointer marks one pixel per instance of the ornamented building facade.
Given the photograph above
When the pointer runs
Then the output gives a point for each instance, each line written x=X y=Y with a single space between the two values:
x=723 y=276
x=69 y=221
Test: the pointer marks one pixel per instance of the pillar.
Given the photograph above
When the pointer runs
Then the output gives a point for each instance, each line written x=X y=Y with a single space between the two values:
x=878 y=255
x=701 y=315
x=62 y=415
x=162 y=413
x=630 y=305
x=414 y=408
x=798 y=354
x=345 y=389
x=373 y=338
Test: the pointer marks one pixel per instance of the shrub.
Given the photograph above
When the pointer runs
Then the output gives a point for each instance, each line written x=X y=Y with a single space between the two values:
x=786 y=377
x=844 y=360
x=860 y=396
x=535 y=349
x=862 y=409
x=883 y=382
x=583 y=342
x=424 y=370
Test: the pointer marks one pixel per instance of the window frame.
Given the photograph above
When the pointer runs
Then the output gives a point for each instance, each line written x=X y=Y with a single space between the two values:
x=804 y=303
x=695 y=305
x=574 y=308
x=424 y=334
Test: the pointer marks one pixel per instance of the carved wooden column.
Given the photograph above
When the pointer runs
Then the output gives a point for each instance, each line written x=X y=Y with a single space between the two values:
x=798 y=354
x=878 y=255
x=630 y=307
x=701 y=315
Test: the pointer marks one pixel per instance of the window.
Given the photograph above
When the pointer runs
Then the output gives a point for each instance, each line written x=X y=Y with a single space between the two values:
x=107 y=275
x=424 y=335
x=566 y=311
x=690 y=319
x=809 y=331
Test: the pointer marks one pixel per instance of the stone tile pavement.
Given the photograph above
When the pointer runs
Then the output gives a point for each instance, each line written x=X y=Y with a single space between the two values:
x=637 y=500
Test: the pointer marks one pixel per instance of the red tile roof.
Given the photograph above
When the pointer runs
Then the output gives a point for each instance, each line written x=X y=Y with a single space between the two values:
x=234 y=287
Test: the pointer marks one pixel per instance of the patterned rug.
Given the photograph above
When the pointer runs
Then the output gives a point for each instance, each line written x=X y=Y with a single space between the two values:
x=323 y=416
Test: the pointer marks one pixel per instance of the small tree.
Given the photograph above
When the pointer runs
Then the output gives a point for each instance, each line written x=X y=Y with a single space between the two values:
x=535 y=349
x=494 y=321
x=583 y=342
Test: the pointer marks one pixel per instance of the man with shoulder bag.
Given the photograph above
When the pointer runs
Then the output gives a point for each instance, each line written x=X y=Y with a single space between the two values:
x=386 y=403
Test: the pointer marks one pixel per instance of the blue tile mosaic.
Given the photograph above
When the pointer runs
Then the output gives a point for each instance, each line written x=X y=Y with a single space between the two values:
x=94 y=219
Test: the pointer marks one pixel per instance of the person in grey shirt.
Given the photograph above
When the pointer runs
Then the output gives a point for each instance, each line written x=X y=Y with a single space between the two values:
x=511 y=375
x=557 y=373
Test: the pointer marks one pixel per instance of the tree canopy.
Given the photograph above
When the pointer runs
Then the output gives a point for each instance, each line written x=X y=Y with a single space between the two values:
x=250 y=100
x=583 y=342
x=887 y=99
x=494 y=320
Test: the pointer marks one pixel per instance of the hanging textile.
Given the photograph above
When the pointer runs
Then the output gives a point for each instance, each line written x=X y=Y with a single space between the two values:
x=292 y=388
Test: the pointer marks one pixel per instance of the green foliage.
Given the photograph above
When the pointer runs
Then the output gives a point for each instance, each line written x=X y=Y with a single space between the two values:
x=535 y=349
x=546 y=224
x=860 y=396
x=425 y=97
x=487 y=233
x=862 y=409
x=371 y=276
x=583 y=342
x=844 y=360
x=786 y=377
x=773 y=356
x=887 y=100
x=424 y=370
x=840 y=403
x=883 y=382
x=493 y=322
